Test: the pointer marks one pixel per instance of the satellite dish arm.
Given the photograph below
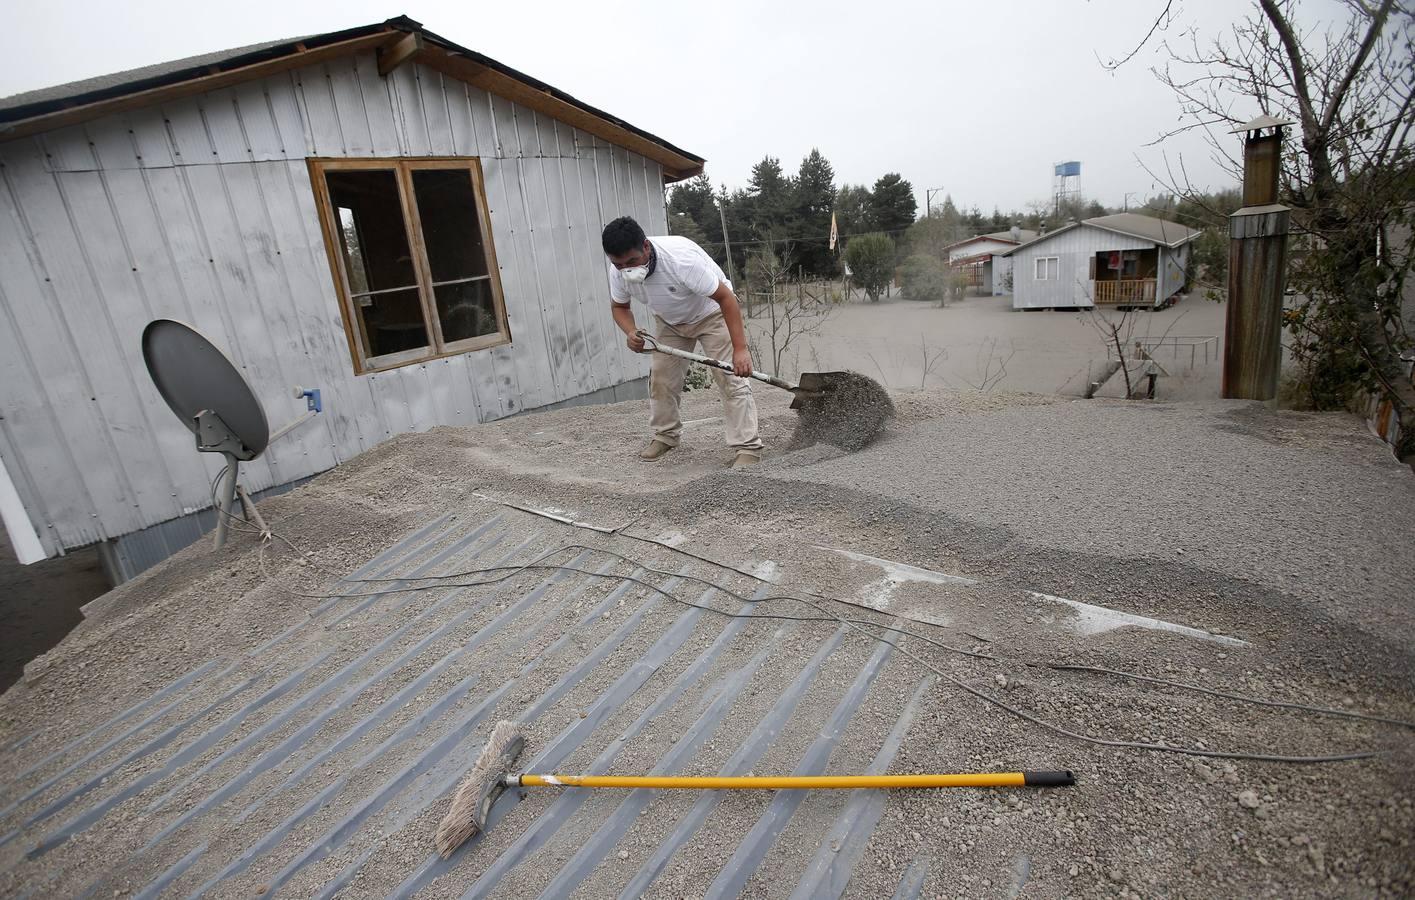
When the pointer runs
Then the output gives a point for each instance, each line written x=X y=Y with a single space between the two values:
x=314 y=405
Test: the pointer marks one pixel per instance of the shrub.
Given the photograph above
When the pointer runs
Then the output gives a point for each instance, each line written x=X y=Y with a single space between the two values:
x=871 y=261
x=926 y=279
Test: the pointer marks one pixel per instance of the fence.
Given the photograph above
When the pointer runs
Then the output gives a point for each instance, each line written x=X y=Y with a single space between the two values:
x=1131 y=292
x=1152 y=346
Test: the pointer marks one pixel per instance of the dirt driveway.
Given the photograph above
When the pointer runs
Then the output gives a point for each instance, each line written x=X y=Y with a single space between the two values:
x=983 y=341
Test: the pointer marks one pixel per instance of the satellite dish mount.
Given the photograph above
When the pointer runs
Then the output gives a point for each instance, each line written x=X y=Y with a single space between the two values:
x=213 y=399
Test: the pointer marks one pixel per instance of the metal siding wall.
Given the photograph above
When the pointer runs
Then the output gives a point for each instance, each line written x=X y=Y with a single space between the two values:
x=201 y=210
x=1171 y=270
x=1072 y=288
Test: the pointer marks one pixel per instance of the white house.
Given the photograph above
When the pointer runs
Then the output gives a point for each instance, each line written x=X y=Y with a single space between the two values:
x=405 y=224
x=1123 y=260
x=981 y=258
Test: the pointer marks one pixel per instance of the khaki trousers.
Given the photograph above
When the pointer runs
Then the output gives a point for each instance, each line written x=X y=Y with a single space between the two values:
x=666 y=383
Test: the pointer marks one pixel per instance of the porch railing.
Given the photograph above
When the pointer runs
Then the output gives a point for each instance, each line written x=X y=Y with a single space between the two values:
x=1129 y=292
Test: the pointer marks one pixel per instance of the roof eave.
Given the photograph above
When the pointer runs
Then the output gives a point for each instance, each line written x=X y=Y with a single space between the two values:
x=1141 y=237
x=432 y=50
x=1043 y=237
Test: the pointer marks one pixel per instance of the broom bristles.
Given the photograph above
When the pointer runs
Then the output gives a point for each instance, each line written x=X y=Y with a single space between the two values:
x=479 y=789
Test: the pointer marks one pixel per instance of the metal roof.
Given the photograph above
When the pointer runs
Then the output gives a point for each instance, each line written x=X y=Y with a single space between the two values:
x=292 y=765
x=1146 y=228
x=60 y=105
x=1263 y=121
x=1023 y=233
x=18 y=107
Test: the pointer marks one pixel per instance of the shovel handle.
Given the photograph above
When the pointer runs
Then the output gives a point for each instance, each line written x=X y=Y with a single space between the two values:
x=654 y=345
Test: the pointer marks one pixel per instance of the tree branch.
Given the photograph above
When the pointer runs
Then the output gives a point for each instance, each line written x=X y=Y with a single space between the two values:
x=1162 y=18
x=1294 y=58
x=1372 y=33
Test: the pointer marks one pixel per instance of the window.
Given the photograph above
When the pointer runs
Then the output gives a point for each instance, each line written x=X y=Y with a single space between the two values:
x=1047 y=268
x=410 y=245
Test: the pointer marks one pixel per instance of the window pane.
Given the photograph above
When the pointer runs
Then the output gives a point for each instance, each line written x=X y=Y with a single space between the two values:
x=392 y=322
x=466 y=310
x=447 y=208
x=368 y=201
x=353 y=255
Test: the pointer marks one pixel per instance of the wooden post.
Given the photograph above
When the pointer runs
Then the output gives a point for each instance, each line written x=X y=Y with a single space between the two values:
x=1257 y=270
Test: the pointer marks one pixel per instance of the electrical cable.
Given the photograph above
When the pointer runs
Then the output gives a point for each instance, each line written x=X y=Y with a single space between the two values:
x=1184 y=685
x=442 y=582
x=856 y=624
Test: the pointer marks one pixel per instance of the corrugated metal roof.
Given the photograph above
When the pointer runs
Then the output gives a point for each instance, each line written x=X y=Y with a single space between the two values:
x=288 y=769
x=20 y=108
x=1145 y=228
x=1161 y=231
x=1024 y=235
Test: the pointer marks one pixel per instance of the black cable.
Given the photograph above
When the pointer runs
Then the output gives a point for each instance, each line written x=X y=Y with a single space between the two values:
x=1277 y=704
x=827 y=616
x=1060 y=667
x=745 y=599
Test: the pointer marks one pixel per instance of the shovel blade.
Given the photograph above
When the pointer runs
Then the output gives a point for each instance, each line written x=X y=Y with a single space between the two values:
x=817 y=385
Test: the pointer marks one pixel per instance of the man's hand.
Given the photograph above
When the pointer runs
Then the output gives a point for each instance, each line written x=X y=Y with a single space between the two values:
x=741 y=363
x=636 y=343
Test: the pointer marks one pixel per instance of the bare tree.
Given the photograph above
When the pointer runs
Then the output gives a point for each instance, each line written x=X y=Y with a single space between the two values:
x=1118 y=334
x=929 y=360
x=989 y=366
x=1350 y=86
x=783 y=311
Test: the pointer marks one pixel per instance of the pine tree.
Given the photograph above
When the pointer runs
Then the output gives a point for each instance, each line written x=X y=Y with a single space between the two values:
x=853 y=212
x=892 y=203
x=770 y=208
x=813 y=200
x=695 y=199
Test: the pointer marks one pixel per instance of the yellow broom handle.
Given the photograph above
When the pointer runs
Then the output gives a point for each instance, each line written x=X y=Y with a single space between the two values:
x=806 y=782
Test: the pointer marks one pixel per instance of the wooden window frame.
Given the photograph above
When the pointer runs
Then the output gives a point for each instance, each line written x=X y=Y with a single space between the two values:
x=403 y=168
x=1040 y=261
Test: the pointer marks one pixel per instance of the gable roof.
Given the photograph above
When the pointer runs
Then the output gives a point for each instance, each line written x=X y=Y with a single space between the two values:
x=1145 y=228
x=1005 y=237
x=396 y=41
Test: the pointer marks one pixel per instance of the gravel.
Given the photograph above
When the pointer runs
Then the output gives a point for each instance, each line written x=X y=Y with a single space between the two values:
x=1295 y=531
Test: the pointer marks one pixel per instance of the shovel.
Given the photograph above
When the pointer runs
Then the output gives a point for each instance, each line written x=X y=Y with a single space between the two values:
x=813 y=385
x=846 y=409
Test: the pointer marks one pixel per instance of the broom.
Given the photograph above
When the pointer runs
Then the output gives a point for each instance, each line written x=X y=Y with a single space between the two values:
x=491 y=774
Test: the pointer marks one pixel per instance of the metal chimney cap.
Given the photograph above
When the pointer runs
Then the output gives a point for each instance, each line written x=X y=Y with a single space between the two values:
x=1264 y=121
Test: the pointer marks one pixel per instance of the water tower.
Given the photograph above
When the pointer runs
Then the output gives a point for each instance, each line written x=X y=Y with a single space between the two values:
x=1065 y=184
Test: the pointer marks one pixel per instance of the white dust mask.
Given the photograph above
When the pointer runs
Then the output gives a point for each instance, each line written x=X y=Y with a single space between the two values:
x=635 y=274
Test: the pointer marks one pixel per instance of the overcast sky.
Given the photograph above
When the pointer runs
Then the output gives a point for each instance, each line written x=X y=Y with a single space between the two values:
x=978 y=99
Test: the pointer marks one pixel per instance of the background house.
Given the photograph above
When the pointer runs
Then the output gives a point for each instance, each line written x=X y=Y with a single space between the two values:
x=405 y=224
x=1125 y=259
x=981 y=258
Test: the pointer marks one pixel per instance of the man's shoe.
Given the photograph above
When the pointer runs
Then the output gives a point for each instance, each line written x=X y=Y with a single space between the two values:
x=654 y=450
x=745 y=459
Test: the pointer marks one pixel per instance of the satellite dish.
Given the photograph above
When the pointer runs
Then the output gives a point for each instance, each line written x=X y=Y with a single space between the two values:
x=213 y=399
x=194 y=376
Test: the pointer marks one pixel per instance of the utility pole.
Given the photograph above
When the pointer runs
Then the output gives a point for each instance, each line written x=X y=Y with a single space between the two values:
x=1128 y=195
x=929 y=201
x=726 y=242
x=1257 y=269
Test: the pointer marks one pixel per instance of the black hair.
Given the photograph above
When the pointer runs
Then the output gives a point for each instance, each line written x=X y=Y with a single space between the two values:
x=621 y=236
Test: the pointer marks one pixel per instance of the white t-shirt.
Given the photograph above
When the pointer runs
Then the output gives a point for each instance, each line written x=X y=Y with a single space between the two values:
x=679 y=288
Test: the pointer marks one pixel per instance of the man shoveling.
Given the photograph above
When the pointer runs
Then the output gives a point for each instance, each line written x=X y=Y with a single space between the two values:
x=692 y=303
